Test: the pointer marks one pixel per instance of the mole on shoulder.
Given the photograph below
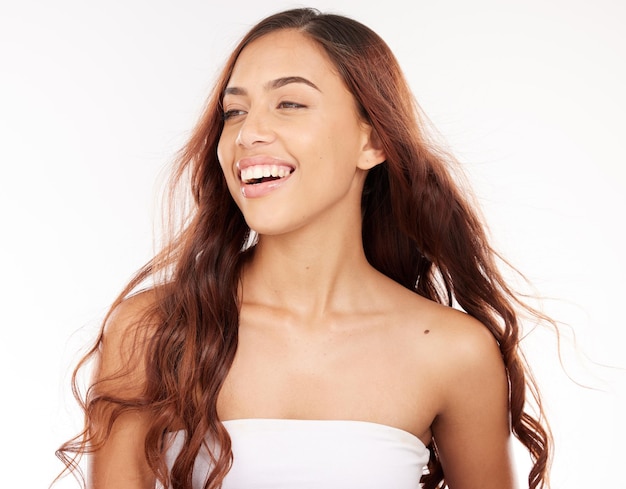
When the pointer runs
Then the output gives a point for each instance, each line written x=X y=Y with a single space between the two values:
x=426 y=331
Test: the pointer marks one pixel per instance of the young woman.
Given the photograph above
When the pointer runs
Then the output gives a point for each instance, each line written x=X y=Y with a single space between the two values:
x=331 y=315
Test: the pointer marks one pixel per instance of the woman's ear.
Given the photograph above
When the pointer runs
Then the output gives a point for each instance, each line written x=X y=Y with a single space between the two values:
x=372 y=153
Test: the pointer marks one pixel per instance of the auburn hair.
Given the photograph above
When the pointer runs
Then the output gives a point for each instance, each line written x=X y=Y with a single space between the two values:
x=419 y=228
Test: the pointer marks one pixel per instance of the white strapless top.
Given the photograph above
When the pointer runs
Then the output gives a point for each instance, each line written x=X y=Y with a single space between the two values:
x=315 y=454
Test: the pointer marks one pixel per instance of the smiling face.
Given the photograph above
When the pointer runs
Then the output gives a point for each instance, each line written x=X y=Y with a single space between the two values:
x=293 y=147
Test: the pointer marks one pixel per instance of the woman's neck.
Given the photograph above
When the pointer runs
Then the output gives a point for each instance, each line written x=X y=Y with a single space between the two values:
x=309 y=274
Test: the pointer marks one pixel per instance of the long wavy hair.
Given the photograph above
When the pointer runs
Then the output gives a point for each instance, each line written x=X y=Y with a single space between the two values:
x=419 y=228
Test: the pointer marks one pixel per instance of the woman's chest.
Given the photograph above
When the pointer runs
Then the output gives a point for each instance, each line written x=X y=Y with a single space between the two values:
x=358 y=378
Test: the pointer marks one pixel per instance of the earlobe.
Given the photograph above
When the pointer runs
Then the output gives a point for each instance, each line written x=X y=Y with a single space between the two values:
x=372 y=153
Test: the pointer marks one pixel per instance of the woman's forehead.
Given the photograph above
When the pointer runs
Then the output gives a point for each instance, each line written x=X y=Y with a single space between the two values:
x=280 y=54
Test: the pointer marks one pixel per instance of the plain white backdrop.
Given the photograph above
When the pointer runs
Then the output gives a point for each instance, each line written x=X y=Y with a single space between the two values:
x=96 y=97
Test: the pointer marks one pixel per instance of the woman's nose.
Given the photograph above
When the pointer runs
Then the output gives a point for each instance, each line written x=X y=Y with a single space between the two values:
x=255 y=129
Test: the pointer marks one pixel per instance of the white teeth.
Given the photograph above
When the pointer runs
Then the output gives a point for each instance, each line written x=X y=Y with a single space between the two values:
x=264 y=171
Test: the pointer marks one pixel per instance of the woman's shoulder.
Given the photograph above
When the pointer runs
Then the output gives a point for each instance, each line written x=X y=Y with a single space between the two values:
x=129 y=313
x=456 y=331
x=448 y=338
x=446 y=357
x=125 y=340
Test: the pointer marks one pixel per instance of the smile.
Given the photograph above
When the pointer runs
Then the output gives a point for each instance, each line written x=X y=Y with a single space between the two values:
x=261 y=175
x=257 y=174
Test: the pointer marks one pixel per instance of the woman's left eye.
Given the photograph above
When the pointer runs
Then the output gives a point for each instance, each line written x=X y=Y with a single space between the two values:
x=290 y=105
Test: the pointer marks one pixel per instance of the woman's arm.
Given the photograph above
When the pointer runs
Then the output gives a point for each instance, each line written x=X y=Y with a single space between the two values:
x=120 y=463
x=472 y=431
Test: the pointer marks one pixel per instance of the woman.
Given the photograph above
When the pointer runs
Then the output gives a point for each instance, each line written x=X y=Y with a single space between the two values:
x=300 y=329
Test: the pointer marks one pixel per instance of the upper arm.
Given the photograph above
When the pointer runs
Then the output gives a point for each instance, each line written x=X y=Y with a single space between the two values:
x=120 y=461
x=472 y=430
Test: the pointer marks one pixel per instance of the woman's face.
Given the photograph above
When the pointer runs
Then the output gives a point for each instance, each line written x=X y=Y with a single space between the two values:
x=293 y=148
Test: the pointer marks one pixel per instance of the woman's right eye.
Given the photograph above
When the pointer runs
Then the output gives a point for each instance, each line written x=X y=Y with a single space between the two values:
x=229 y=114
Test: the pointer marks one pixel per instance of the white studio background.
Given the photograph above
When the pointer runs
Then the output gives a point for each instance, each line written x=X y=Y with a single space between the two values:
x=95 y=98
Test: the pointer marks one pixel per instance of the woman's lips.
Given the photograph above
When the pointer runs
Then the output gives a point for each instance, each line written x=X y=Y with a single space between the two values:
x=260 y=175
x=257 y=173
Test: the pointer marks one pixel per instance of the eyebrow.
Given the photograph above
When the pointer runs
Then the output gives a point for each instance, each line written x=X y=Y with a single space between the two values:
x=273 y=85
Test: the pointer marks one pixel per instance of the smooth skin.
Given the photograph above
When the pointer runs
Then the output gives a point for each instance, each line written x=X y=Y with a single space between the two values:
x=322 y=334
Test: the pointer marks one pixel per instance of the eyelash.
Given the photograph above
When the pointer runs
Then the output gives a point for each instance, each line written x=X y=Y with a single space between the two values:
x=229 y=114
x=290 y=105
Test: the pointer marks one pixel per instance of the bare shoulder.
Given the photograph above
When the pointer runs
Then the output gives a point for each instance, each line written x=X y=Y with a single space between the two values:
x=457 y=349
x=467 y=382
x=119 y=380
x=123 y=344
x=126 y=316
x=453 y=336
x=460 y=340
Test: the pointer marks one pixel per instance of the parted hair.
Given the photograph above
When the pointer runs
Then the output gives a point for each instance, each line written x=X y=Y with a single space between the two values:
x=419 y=227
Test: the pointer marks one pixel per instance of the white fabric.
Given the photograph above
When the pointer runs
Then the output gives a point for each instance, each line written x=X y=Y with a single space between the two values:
x=316 y=454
